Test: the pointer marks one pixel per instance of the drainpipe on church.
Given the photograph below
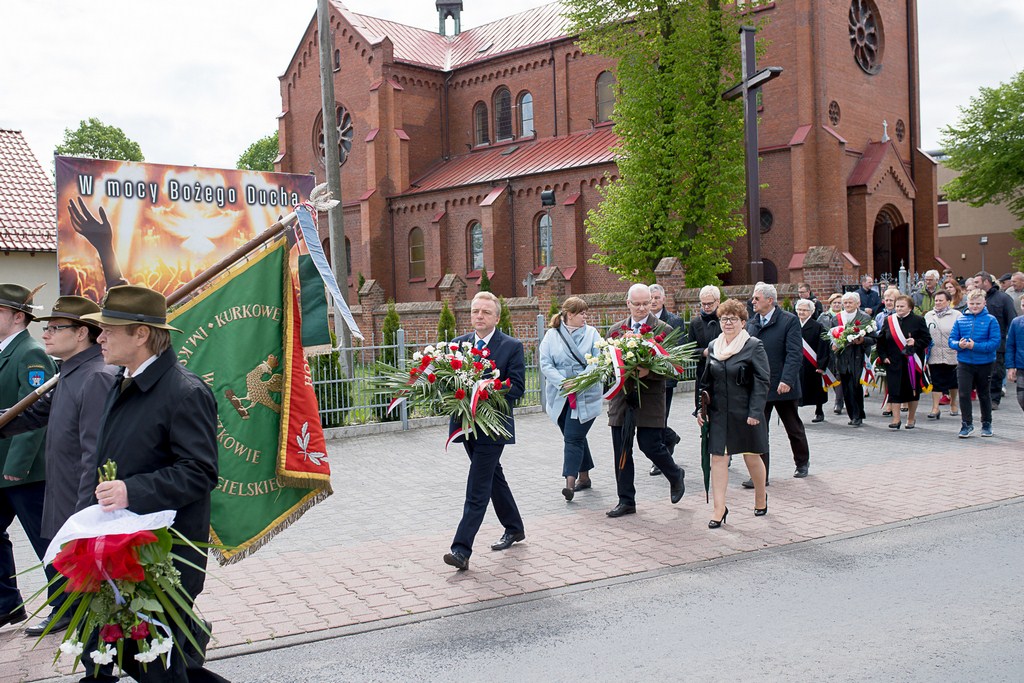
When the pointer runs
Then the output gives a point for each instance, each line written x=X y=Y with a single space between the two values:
x=512 y=211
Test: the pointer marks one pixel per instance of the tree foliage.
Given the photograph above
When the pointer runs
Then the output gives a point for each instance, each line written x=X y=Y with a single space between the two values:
x=260 y=155
x=986 y=146
x=97 y=140
x=446 y=324
x=389 y=330
x=485 y=280
x=680 y=188
x=505 y=317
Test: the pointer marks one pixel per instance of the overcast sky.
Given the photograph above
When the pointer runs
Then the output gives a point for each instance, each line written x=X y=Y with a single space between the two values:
x=195 y=81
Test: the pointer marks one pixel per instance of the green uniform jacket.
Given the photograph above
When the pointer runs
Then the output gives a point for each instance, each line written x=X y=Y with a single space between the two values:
x=24 y=366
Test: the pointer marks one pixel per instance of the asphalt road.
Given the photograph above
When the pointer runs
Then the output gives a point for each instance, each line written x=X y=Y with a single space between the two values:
x=933 y=599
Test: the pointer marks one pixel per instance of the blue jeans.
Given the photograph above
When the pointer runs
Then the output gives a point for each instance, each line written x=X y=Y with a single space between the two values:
x=576 y=456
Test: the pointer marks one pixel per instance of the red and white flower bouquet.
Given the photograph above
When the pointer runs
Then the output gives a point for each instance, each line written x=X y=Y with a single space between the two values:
x=842 y=336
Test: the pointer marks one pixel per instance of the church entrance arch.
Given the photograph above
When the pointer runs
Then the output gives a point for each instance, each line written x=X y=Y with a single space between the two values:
x=891 y=243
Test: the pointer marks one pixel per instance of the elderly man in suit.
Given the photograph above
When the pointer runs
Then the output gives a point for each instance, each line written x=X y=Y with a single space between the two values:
x=74 y=407
x=159 y=426
x=647 y=407
x=779 y=331
x=486 y=480
x=850 y=361
x=661 y=313
x=24 y=366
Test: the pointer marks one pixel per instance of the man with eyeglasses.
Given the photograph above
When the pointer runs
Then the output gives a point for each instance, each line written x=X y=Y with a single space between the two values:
x=73 y=410
x=24 y=366
x=648 y=413
x=779 y=331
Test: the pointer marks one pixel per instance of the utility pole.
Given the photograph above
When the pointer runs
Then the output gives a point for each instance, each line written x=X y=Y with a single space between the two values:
x=335 y=216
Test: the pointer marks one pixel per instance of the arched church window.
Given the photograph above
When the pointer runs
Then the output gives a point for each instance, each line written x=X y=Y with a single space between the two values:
x=476 y=246
x=525 y=115
x=417 y=254
x=503 y=114
x=480 y=132
x=605 y=96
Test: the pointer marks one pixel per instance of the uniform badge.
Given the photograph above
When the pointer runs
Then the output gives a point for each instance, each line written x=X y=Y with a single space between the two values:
x=36 y=378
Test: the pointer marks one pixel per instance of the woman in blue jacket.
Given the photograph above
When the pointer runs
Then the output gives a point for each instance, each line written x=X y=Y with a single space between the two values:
x=975 y=338
x=1015 y=355
x=563 y=355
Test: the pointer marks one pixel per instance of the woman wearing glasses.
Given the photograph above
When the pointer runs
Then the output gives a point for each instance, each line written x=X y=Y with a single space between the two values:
x=736 y=377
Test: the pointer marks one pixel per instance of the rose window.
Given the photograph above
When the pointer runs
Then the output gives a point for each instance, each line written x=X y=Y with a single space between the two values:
x=866 y=35
x=345 y=133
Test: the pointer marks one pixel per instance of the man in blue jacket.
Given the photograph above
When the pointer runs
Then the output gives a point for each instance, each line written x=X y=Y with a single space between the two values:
x=1000 y=306
x=975 y=338
x=486 y=480
x=1015 y=355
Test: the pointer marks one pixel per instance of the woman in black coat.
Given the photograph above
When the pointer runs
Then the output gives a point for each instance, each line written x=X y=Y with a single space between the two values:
x=736 y=377
x=904 y=380
x=817 y=353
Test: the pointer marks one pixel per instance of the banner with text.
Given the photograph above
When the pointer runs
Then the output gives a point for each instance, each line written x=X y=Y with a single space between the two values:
x=158 y=226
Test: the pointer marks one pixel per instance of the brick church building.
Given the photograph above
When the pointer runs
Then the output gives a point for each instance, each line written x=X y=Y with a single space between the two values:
x=448 y=142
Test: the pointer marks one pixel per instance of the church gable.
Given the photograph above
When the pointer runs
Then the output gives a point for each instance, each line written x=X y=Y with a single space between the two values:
x=881 y=164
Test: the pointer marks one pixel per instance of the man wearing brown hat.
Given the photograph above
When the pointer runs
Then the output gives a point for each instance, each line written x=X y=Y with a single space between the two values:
x=24 y=366
x=159 y=427
x=73 y=411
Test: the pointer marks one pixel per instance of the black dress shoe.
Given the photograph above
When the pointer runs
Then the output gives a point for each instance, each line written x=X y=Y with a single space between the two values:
x=457 y=560
x=56 y=625
x=621 y=509
x=568 y=493
x=819 y=417
x=858 y=422
x=838 y=410
x=749 y=484
x=14 y=616
x=507 y=539
x=801 y=472
x=679 y=487
x=581 y=487
x=655 y=471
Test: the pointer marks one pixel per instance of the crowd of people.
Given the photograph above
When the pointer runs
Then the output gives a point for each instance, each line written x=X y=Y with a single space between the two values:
x=960 y=340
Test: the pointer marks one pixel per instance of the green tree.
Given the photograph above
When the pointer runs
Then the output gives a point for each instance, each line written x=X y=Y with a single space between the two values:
x=485 y=281
x=505 y=318
x=986 y=146
x=260 y=155
x=389 y=330
x=96 y=140
x=446 y=324
x=680 y=188
x=554 y=309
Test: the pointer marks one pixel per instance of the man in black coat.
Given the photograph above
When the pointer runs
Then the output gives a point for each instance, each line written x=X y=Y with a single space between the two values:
x=1000 y=306
x=870 y=300
x=486 y=480
x=159 y=426
x=779 y=331
x=659 y=311
x=75 y=408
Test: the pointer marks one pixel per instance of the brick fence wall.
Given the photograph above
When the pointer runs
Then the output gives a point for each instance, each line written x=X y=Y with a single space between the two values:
x=419 y=319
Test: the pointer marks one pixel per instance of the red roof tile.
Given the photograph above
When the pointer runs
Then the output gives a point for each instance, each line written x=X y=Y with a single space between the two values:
x=525 y=158
x=28 y=204
x=875 y=153
x=429 y=48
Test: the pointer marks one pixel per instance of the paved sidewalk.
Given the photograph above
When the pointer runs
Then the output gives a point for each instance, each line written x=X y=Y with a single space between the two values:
x=373 y=551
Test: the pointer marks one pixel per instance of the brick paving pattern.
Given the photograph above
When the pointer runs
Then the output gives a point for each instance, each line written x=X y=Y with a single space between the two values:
x=373 y=551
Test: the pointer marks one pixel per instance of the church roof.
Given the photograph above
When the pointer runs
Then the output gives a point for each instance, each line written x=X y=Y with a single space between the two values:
x=872 y=167
x=428 y=48
x=28 y=216
x=587 y=148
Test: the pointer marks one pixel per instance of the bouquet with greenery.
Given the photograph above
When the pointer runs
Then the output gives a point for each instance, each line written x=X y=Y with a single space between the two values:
x=118 y=569
x=842 y=336
x=624 y=352
x=452 y=379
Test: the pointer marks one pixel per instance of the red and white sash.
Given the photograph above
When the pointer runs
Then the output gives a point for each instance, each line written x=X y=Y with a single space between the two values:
x=914 y=361
x=828 y=380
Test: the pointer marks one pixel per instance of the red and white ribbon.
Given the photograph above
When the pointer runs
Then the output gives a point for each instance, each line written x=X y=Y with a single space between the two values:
x=618 y=371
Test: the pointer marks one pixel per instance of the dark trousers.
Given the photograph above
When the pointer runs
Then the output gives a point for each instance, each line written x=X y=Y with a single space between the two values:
x=668 y=433
x=853 y=395
x=998 y=375
x=24 y=501
x=790 y=416
x=576 y=456
x=486 y=482
x=968 y=378
x=651 y=443
x=1020 y=394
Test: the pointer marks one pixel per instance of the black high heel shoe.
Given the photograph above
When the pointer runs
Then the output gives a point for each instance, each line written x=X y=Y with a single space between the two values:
x=761 y=512
x=715 y=523
x=895 y=425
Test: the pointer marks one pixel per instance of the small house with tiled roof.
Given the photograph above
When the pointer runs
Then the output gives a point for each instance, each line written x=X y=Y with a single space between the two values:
x=28 y=219
x=449 y=139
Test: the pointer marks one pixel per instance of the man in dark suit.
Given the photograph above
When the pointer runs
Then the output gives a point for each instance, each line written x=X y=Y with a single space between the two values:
x=850 y=361
x=74 y=407
x=486 y=480
x=159 y=426
x=659 y=311
x=648 y=415
x=779 y=331
x=24 y=366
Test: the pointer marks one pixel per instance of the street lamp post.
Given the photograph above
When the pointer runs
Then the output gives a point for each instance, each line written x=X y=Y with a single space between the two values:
x=983 y=241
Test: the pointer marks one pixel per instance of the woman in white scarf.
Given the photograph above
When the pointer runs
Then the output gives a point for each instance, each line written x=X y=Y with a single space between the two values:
x=736 y=377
